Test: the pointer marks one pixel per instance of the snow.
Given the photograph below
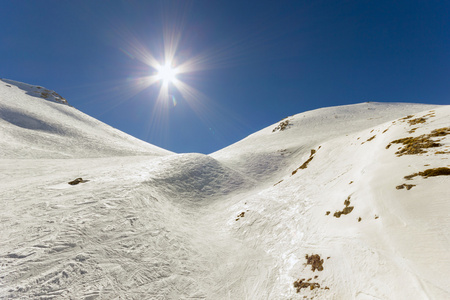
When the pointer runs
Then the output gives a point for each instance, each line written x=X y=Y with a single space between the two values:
x=236 y=224
x=53 y=129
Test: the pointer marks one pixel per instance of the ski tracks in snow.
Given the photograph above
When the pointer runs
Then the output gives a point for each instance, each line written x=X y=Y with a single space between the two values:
x=120 y=235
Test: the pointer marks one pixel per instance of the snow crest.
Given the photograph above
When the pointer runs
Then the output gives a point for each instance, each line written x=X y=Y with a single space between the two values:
x=196 y=176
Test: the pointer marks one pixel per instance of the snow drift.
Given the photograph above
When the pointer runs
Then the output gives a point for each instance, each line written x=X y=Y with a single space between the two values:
x=347 y=202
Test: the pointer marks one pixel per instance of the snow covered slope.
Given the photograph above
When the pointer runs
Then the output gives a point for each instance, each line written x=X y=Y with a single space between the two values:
x=295 y=135
x=346 y=202
x=33 y=128
x=345 y=197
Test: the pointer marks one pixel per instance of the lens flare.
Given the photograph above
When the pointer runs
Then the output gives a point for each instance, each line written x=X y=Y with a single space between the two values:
x=166 y=73
x=167 y=66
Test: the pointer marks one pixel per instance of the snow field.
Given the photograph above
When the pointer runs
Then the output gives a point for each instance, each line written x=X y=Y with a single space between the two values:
x=236 y=224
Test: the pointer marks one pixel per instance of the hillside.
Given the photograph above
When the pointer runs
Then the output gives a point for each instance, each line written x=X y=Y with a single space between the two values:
x=53 y=129
x=347 y=202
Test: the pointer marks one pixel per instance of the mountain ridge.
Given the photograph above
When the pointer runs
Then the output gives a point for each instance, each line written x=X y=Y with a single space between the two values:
x=332 y=203
x=56 y=130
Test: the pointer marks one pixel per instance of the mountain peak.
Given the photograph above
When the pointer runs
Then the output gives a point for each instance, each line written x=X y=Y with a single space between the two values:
x=34 y=128
x=36 y=91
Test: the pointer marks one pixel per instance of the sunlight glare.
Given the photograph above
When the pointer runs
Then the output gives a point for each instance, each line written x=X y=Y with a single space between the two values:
x=166 y=73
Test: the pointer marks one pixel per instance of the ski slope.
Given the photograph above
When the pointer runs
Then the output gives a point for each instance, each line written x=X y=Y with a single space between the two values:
x=316 y=206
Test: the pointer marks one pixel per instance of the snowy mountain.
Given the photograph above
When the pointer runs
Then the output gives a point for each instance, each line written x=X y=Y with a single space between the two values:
x=347 y=202
x=53 y=129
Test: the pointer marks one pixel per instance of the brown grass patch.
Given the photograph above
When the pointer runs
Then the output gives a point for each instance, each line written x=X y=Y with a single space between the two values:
x=315 y=262
x=407 y=186
x=371 y=138
x=305 y=164
x=303 y=284
x=347 y=201
x=347 y=209
x=416 y=145
x=442 y=152
x=77 y=181
x=282 y=126
x=241 y=215
x=442 y=171
x=416 y=121
x=440 y=132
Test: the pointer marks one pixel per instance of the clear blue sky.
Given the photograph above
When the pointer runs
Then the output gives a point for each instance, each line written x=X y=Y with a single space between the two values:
x=256 y=62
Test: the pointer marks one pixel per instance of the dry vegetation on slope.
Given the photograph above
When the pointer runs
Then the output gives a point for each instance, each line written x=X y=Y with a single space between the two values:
x=284 y=124
x=441 y=171
x=347 y=209
x=416 y=145
x=305 y=164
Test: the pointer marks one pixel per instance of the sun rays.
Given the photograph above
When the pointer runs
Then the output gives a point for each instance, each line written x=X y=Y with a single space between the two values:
x=169 y=70
x=166 y=75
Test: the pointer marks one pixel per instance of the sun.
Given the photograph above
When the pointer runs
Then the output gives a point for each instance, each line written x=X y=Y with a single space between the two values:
x=172 y=71
x=166 y=73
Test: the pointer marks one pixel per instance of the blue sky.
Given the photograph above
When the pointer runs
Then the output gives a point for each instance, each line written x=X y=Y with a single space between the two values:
x=253 y=62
